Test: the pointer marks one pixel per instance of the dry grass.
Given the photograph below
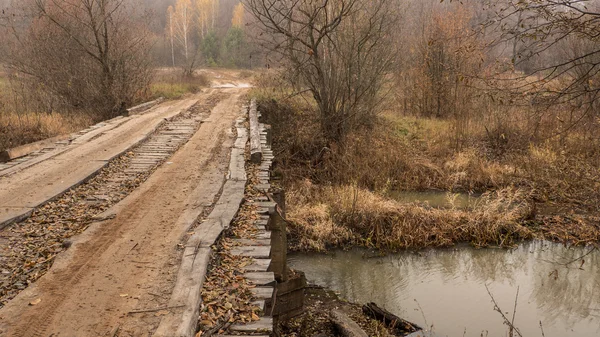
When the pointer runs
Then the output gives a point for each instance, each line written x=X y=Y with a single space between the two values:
x=556 y=179
x=16 y=129
x=173 y=85
x=322 y=217
x=21 y=103
x=409 y=153
x=22 y=119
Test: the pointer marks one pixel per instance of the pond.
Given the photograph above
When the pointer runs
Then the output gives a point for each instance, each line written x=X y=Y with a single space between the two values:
x=446 y=288
x=436 y=199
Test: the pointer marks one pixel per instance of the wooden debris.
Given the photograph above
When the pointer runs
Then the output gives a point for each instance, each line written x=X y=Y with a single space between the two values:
x=265 y=324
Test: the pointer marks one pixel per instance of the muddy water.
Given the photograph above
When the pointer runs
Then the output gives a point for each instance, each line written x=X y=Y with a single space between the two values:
x=446 y=288
x=436 y=199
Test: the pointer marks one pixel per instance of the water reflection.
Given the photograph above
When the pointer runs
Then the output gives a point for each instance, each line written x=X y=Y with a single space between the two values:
x=449 y=287
x=436 y=199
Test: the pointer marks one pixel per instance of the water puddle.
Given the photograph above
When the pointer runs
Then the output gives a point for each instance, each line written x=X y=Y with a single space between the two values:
x=436 y=199
x=447 y=288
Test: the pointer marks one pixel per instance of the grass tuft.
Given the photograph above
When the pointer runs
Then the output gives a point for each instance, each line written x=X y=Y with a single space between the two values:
x=172 y=86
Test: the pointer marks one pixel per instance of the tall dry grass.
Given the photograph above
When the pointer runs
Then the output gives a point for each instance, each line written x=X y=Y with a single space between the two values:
x=18 y=129
x=341 y=216
x=29 y=114
x=171 y=84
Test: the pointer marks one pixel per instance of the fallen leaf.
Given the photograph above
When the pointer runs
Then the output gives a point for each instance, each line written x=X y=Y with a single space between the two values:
x=35 y=302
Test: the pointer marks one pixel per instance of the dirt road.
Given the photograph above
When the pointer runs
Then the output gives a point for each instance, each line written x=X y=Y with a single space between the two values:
x=86 y=155
x=117 y=277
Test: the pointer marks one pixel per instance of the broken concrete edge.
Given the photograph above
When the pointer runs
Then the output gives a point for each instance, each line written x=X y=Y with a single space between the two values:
x=29 y=211
x=198 y=253
x=144 y=106
x=18 y=218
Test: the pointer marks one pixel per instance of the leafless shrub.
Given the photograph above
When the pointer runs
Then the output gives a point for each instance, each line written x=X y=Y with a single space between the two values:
x=556 y=43
x=91 y=54
x=337 y=50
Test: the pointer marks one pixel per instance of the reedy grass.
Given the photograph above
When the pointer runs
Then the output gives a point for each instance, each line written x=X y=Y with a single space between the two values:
x=18 y=129
x=23 y=121
x=342 y=216
x=175 y=86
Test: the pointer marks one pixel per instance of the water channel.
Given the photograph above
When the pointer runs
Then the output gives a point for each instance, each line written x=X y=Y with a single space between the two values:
x=436 y=199
x=446 y=288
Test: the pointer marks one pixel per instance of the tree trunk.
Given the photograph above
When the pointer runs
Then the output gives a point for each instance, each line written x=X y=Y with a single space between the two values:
x=172 y=42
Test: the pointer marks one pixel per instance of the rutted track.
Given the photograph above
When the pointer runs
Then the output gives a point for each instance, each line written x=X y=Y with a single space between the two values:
x=39 y=179
x=127 y=259
x=27 y=249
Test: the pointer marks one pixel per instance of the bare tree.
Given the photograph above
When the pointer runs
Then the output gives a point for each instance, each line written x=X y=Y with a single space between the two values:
x=171 y=34
x=338 y=50
x=91 y=53
x=184 y=18
x=563 y=37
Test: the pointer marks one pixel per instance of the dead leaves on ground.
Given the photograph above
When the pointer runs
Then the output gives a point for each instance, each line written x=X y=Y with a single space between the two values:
x=30 y=247
x=226 y=294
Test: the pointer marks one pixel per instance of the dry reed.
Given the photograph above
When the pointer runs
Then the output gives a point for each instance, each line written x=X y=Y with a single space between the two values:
x=323 y=217
x=18 y=129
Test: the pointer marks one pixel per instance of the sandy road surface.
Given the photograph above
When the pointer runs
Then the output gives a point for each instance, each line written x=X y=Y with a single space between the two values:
x=22 y=191
x=129 y=263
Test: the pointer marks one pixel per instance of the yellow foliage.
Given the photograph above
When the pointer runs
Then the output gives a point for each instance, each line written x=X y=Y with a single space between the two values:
x=238 y=16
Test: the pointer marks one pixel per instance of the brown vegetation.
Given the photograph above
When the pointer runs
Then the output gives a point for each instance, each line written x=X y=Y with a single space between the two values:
x=346 y=216
x=25 y=117
x=83 y=55
x=339 y=51
x=173 y=85
x=455 y=122
x=338 y=190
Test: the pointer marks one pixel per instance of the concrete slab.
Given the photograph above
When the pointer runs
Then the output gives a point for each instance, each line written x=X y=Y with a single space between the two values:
x=264 y=325
x=263 y=293
x=253 y=242
x=261 y=278
x=253 y=251
x=258 y=265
